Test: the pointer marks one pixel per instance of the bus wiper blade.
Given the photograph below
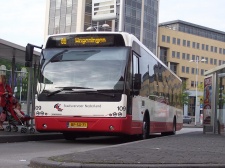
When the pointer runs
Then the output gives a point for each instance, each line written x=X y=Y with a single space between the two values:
x=73 y=87
x=92 y=92
x=68 y=88
x=54 y=92
x=53 y=57
x=96 y=92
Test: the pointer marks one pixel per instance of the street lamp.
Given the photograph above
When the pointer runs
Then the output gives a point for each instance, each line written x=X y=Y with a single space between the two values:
x=196 y=87
x=97 y=27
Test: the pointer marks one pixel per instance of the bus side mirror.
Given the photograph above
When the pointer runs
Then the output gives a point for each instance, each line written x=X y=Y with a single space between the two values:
x=137 y=81
x=29 y=53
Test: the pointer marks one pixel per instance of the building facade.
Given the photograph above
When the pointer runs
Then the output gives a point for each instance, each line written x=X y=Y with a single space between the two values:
x=140 y=19
x=179 y=43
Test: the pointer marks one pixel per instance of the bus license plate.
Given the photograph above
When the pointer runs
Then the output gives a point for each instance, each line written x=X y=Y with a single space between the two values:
x=77 y=125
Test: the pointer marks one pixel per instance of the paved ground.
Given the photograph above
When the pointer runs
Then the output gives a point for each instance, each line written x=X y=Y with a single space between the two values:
x=7 y=137
x=185 y=150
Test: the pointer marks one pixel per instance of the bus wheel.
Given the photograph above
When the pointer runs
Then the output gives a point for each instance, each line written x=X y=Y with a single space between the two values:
x=69 y=136
x=173 y=132
x=145 y=129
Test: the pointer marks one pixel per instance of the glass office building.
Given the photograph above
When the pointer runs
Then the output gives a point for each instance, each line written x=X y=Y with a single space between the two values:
x=140 y=19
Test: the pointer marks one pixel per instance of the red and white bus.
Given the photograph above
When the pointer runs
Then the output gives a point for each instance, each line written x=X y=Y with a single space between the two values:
x=102 y=83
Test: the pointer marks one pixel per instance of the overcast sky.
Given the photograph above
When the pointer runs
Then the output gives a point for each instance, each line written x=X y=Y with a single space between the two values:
x=23 y=21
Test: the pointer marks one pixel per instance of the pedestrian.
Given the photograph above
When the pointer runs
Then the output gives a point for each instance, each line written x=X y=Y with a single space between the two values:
x=5 y=99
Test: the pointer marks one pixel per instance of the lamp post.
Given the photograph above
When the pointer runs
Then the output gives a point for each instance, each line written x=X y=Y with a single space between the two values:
x=196 y=85
x=97 y=27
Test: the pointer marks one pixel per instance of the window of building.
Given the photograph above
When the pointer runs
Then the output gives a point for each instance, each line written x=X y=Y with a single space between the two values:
x=206 y=47
x=193 y=44
x=183 y=69
x=168 y=39
x=215 y=49
x=193 y=57
x=196 y=83
x=198 y=46
x=211 y=49
x=220 y=62
x=192 y=83
x=69 y=3
x=184 y=42
x=188 y=56
x=187 y=69
x=57 y=21
x=183 y=55
x=188 y=43
x=202 y=58
x=224 y=51
x=68 y=19
x=197 y=57
x=223 y=62
x=211 y=61
x=203 y=46
x=163 y=54
x=58 y=4
x=178 y=55
x=193 y=70
x=163 y=38
x=206 y=60
x=220 y=50
x=174 y=40
x=215 y=61
x=173 y=54
x=202 y=72
x=178 y=41
x=173 y=67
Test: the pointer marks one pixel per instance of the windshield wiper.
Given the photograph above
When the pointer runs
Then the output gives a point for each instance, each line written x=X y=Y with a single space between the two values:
x=54 y=92
x=53 y=57
x=93 y=92
x=104 y=94
x=68 y=88
x=73 y=87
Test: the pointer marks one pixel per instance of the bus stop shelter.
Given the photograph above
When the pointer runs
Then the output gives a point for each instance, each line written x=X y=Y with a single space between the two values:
x=214 y=100
x=15 y=53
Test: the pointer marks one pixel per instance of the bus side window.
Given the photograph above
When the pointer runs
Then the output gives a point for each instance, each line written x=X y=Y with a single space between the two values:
x=136 y=75
x=135 y=65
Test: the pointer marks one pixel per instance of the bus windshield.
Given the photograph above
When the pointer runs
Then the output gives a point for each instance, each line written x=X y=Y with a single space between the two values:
x=86 y=68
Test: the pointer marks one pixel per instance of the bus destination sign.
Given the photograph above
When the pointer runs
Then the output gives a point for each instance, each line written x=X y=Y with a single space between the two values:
x=66 y=41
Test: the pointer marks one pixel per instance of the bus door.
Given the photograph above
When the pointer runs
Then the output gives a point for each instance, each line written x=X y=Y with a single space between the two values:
x=136 y=102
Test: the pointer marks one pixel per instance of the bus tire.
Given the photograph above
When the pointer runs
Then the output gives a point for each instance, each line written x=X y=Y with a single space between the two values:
x=145 y=129
x=173 y=132
x=69 y=136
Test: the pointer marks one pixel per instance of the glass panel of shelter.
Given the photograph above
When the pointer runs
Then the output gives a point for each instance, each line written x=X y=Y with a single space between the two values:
x=220 y=93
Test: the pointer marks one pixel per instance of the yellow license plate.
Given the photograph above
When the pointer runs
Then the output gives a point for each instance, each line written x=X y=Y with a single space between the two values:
x=77 y=125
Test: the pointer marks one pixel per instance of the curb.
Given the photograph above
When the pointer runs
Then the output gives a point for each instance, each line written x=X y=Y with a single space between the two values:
x=30 y=137
x=43 y=162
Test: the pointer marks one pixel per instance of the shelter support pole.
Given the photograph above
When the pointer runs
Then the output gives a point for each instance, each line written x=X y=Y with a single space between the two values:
x=13 y=71
x=30 y=72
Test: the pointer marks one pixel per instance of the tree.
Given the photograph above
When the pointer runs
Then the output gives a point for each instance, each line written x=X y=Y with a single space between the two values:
x=184 y=95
